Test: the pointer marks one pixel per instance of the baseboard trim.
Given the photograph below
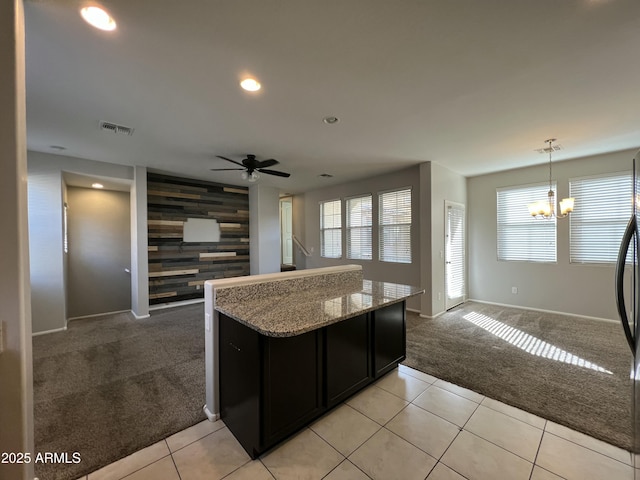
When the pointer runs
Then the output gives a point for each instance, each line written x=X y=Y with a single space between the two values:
x=431 y=317
x=586 y=317
x=161 y=306
x=140 y=317
x=35 y=334
x=97 y=315
x=211 y=416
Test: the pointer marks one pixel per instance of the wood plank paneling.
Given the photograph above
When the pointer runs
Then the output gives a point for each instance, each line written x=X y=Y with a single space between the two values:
x=177 y=269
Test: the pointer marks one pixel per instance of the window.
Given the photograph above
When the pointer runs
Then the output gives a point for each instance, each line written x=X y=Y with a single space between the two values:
x=603 y=208
x=359 y=222
x=520 y=236
x=395 y=226
x=331 y=229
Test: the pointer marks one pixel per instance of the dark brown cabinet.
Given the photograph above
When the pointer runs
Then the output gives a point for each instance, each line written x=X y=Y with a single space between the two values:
x=347 y=358
x=390 y=337
x=271 y=387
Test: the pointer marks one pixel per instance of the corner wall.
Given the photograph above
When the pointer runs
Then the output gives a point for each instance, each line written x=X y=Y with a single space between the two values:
x=578 y=289
x=16 y=376
x=45 y=189
x=445 y=185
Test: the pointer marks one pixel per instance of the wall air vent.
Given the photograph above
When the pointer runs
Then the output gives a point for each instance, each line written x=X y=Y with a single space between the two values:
x=115 y=128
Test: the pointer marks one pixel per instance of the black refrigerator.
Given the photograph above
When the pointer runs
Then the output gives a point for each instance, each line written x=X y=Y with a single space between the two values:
x=628 y=299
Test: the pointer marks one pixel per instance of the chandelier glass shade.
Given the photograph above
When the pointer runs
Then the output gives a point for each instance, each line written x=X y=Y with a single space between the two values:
x=546 y=209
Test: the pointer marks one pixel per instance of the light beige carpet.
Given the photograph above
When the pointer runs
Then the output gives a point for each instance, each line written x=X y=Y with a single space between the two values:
x=572 y=371
x=111 y=385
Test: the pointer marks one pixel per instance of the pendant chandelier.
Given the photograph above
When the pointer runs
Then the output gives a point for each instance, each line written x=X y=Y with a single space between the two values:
x=546 y=209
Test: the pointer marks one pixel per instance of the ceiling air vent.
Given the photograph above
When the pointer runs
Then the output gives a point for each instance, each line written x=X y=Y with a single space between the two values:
x=115 y=128
x=553 y=148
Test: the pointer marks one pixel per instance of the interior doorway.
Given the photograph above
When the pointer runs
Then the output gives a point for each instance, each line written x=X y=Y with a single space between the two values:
x=455 y=249
x=97 y=251
x=286 y=231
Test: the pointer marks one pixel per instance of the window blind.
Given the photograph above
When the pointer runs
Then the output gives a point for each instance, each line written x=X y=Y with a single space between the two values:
x=359 y=223
x=454 y=273
x=520 y=236
x=331 y=229
x=603 y=208
x=395 y=226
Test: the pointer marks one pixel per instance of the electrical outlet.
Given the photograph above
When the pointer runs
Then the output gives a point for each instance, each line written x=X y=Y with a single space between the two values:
x=514 y=290
x=439 y=295
x=198 y=287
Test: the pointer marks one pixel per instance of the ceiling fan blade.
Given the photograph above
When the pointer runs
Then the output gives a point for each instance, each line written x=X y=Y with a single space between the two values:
x=268 y=163
x=274 y=172
x=221 y=169
x=229 y=160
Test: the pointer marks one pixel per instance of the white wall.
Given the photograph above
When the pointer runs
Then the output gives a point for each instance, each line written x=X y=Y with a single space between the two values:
x=445 y=185
x=372 y=269
x=139 y=245
x=563 y=287
x=45 y=188
x=16 y=378
x=264 y=229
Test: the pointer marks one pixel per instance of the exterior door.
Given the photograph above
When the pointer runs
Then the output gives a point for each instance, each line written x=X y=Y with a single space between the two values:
x=286 y=233
x=455 y=278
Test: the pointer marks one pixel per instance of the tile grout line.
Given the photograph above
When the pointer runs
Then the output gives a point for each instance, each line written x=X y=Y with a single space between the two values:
x=535 y=459
x=173 y=459
x=591 y=449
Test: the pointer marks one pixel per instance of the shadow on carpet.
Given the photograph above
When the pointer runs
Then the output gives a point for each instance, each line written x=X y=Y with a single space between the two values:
x=109 y=386
x=569 y=370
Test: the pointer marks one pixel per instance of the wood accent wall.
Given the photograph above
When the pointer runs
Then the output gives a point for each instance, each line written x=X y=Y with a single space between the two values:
x=177 y=270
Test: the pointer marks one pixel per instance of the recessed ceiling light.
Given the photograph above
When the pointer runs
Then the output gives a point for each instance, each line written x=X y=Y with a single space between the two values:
x=250 y=84
x=57 y=147
x=330 y=120
x=98 y=17
x=326 y=175
x=97 y=185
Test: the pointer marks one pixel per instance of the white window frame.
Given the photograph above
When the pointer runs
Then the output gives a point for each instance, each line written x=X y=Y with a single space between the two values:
x=600 y=217
x=359 y=228
x=399 y=248
x=332 y=231
x=519 y=236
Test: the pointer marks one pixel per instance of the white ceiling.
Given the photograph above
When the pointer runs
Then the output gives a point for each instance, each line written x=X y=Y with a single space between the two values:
x=475 y=86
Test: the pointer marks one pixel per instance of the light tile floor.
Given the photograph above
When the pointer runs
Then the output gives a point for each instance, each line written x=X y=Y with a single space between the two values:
x=408 y=425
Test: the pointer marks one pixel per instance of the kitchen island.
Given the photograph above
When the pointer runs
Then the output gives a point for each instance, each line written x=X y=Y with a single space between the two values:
x=284 y=348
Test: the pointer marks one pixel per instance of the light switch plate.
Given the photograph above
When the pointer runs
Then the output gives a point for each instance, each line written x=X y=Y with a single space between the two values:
x=207 y=322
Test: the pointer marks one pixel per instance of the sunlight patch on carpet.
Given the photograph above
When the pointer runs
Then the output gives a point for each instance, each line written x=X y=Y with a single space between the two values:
x=529 y=343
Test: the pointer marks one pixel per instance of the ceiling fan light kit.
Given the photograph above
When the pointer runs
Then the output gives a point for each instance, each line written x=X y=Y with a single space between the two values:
x=252 y=167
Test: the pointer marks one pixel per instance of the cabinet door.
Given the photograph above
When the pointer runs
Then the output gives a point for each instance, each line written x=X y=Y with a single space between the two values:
x=389 y=343
x=239 y=353
x=292 y=387
x=348 y=358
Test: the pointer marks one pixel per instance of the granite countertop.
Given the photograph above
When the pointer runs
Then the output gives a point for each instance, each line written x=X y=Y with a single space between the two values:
x=297 y=312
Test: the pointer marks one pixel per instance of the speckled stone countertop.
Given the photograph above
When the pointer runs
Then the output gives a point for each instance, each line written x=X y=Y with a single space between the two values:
x=289 y=308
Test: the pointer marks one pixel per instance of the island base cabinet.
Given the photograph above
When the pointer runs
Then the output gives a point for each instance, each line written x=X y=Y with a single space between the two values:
x=389 y=337
x=240 y=381
x=347 y=357
x=292 y=386
x=271 y=387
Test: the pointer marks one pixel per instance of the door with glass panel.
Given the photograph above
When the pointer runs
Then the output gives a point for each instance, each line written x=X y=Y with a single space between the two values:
x=454 y=265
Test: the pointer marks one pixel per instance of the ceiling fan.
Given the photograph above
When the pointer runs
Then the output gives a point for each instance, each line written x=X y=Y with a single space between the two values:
x=251 y=166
